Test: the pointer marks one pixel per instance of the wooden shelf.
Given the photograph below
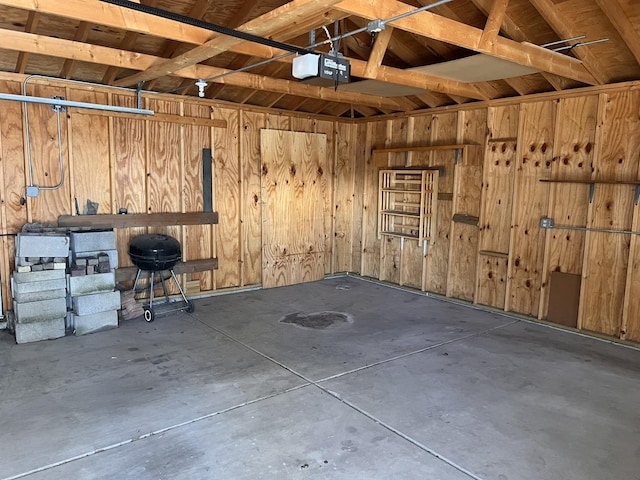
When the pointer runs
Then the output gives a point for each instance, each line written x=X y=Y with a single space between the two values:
x=394 y=219
x=138 y=220
x=424 y=148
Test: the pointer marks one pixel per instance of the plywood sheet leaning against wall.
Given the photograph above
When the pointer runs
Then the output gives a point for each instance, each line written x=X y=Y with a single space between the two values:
x=604 y=272
x=12 y=180
x=568 y=202
x=467 y=190
x=496 y=205
x=631 y=314
x=294 y=206
x=535 y=155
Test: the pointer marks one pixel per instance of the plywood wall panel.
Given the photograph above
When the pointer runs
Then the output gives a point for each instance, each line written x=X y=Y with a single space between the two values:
x=226 y=174
x=492 y=281
x=197 y=239
x=498 y=175
x=344 y=181
x=89 y=154
x=361 y=154
x=329 y=130
x=45 y=158
x=252 y=204
x=535 y=156
x=128 y=150
x=631 y=309
x=13 y=214
x=607 y=254
x=376 y=134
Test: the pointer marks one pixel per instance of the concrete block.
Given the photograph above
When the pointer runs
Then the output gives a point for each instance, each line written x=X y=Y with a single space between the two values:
x=112 y=254
x=27 y=277
x=23 y=268
x=41 y=245
x=83 y=285
x=96 y=322
x=40 y=295
x=36 y=331
x=40 y=311
x=59 y=266
x=37 y=268
x=96 y=303
x=93 y=241
x=22 y=262
x=30 y=287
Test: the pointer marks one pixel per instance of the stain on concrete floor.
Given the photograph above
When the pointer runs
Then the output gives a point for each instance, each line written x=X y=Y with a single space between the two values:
x=317 y=320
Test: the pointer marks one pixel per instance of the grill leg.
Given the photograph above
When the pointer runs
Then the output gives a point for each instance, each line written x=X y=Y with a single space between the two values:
x=152 y=277
x=175 y=279
x=135 y=284
x=164 y=287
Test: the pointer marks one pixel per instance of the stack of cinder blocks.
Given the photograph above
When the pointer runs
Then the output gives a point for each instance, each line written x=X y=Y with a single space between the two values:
x=39 y=287
x=94 y=303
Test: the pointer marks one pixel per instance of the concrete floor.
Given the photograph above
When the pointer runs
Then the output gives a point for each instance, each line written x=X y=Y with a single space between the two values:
x=413 y=388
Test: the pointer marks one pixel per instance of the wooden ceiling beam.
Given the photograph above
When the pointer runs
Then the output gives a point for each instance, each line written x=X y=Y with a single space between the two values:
x=81 y=35
x=446 y=30
x=40 y=44
x=289 y=14
x=494 y=22
x=377 y=52
x=616 y=15
x=30 y=27
x=559 y=24
x=106 y=14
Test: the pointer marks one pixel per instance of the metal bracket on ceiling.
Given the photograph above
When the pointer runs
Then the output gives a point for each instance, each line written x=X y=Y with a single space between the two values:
x=58 y=107
x=139 y=94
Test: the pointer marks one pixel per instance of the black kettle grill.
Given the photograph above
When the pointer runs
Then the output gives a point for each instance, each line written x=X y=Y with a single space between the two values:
x=157 y=253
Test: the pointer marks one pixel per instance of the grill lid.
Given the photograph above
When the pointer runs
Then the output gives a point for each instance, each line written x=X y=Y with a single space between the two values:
x=154 y=251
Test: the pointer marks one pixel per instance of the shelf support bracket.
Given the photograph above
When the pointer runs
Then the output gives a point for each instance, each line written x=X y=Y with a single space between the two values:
x=458 y=155
x=592 y=191
x=637 y=199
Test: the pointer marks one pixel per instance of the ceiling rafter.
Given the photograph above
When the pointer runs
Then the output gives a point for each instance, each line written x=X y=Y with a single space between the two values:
x=287 y=15
x=60 y=48
x=494 y=21
x=30 y=27
x=81 y=35
x=377 y=52
x=136 y=22
x=615 y=13
x=514 y=32
x=558 y=22
x=446 y=30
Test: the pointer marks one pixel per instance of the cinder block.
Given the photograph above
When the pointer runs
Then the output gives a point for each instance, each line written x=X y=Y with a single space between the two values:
x=96 y=303
x=83 y=285
x=112 y=254
x=37 y=276
x=41 y=245
x=23 y=268
x=18 y=288
x=40 y=295
x=93 y=241
x=96 y=322
x=36 y=331
x=40 y=311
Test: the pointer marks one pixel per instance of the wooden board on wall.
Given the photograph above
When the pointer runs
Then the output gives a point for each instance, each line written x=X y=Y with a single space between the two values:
x=535 y=155
x=604 y=273
x=630 y=316
x=293 y=229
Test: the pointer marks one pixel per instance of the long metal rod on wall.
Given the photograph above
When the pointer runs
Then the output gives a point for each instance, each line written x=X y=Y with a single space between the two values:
x=71 y=103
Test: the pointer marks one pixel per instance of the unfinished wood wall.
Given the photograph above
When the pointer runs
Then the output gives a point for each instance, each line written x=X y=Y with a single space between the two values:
x=148 y=164
x=506 y=261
